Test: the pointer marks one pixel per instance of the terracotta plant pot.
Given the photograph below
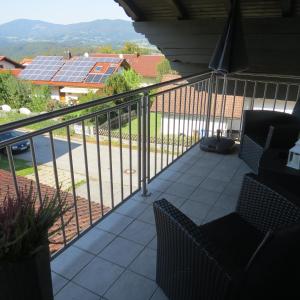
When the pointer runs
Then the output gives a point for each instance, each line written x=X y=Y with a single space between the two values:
x=28 y=279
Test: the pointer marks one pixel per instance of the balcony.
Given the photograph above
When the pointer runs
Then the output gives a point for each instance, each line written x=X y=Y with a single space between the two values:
x=143 y=147
x=117 y=258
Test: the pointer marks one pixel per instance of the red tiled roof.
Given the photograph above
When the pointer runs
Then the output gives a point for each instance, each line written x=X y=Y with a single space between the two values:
x=71 y=229
x=191 y=103
x=16 y=64
x=145 y=65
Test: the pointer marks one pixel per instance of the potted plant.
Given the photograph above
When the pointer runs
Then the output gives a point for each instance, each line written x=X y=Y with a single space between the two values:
x=25 y=223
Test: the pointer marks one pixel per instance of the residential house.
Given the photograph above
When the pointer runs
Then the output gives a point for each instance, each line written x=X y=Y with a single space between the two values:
x=144 y=65
x=185 y=113
x=71 y=78
x=9 y=64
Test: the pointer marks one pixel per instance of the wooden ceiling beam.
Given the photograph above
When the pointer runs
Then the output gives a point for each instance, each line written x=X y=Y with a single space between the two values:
x=131 y=9
x=287 y=7
x=178 y=8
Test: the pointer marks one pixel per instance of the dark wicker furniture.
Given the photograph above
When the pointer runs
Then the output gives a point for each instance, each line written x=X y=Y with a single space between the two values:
x=267 y=129
x=220 y=259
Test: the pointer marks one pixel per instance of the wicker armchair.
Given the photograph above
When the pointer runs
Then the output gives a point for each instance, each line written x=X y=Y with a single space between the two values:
x=267 y=129
x=217 y=260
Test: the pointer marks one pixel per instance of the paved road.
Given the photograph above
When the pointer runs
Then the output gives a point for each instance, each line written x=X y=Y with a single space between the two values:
x=44 y=157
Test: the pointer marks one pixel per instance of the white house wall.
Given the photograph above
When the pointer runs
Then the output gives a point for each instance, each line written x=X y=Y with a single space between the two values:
x=189 y=125
x=55 y=93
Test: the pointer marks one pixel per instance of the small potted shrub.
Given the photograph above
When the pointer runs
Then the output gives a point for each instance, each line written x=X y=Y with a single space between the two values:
x=25 y=272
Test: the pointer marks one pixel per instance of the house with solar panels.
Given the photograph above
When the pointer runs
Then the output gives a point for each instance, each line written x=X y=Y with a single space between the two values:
x=69 y=79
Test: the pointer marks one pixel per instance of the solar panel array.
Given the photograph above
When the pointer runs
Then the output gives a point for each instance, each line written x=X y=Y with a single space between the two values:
x=74 y=70
x=55 y=68
x=97 y=78
x=42 y=68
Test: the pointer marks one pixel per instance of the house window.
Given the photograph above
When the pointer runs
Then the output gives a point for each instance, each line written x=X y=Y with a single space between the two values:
x=1 y=66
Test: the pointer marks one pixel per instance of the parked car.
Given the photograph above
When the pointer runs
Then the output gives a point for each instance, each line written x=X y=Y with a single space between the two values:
x=17 y=147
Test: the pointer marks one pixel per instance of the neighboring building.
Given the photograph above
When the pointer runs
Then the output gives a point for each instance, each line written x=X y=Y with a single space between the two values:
x=226 y=111
x=8 y=64
x=71 y=78
x=144 y=65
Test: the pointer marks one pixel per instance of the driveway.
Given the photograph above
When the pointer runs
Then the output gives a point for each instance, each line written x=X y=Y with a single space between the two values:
x=44 y=157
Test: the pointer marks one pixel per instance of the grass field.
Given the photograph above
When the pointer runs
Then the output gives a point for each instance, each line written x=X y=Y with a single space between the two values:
x=134 y=125
x=22 y=166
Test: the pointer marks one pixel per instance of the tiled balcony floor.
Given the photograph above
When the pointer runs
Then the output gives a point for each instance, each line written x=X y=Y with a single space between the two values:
x=116 y=259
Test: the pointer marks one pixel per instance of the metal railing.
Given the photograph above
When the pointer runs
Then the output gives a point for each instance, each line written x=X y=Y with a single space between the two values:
x=99 y=171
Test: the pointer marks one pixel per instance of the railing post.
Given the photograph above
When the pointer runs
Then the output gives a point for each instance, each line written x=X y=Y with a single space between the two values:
x=210 y=88
x=144 y=148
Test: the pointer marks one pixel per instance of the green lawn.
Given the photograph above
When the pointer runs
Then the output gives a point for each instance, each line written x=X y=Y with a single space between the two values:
x=11 y=117
x=22 y=166
x=134 y=125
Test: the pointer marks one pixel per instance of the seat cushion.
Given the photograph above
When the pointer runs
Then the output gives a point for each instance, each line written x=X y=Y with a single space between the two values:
x=275 y=270
x=231 y=241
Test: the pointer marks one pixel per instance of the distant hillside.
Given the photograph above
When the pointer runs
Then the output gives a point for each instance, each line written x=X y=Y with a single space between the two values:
x=23 y=37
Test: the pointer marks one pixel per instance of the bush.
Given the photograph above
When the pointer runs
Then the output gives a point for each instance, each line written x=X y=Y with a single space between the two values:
x=18 y=93
x=24 y=224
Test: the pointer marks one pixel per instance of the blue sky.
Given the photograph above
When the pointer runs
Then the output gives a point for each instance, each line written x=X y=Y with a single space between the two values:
x=61 y=11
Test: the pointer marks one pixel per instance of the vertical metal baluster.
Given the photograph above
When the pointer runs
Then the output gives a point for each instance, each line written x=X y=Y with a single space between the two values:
x=179 y=119
x=121 y=153
x=57 y=184
x=168 y=134
x=145 y=101
x=215 y=103
x=110 y=161
x=265 y=93
x=188 y=117
x=253 y=96
x=99 y=165
x=72 y=178
x=155 y=147
x=130 y=148
x=162 y=133
x=286 y=97
x=242 y=116
x=139 y=144
x=275 y=96
x=223 y=106
x=148 y=137
x=233 y=104
x=193 y=110
x=184 y=112
x=202 y=108
x=197 y=111
x=174 y=117
x=209 y=97
x=36 y=173
x=87 y=177
x=12 y=168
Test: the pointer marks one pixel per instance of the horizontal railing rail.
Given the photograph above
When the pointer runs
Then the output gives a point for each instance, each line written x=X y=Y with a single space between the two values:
x=99 y=169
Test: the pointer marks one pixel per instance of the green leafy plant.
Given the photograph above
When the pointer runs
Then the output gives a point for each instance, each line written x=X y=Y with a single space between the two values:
x=25 y=224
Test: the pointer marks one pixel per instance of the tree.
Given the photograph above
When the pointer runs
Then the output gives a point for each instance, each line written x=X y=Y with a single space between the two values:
x=133 y=48
x=122 y=82
x=106 y=49
x=132 y=78
x=163 y=68
x=18 y=93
